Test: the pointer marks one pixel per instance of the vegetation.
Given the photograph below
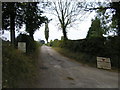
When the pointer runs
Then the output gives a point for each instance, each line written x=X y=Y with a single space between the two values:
x=11 y=11
x=67 y=13
x=116 y=17
x=95 y=43
x=91 y=48
x=102 y=7
x=33 y=17
x=95 y=30
x=83 y=58
x=46 y=31
x=18 y=68
x=31 y=45
x=15 y=14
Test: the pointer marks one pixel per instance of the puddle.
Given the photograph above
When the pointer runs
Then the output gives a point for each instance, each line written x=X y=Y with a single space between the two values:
x=70 y=78
x=60 y=60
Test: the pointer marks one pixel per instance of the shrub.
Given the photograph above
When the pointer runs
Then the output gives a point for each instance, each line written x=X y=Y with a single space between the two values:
x=30 y=43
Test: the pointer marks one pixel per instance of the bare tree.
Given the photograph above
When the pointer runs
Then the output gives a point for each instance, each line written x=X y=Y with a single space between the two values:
x=67 y=12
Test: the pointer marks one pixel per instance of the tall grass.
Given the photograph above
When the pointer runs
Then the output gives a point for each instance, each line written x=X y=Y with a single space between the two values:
x=17 y=67
x=81 y=57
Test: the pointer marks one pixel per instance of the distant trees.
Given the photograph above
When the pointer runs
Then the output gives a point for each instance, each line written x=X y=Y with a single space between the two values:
x=47 y=29
x=41 y=41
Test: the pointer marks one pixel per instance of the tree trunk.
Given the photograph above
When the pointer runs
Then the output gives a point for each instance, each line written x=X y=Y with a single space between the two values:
x=65 y=34
x=118 y=28
x=12 y=28
x=47 y=41
x=31 y=35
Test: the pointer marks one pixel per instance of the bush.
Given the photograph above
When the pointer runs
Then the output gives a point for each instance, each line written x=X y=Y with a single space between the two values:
x=94 y=46
x=31 y=45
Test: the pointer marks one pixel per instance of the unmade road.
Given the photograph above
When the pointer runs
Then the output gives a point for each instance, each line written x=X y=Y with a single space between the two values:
x=57 y=71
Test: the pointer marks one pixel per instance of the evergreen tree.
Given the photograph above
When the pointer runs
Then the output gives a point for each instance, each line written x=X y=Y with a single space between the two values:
x=12 y=17
x=95 y=30
x=46 y=31
x=33 y=18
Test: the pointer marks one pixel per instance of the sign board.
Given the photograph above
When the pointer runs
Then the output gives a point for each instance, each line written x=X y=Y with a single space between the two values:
x=22 y=46
x=103 y=63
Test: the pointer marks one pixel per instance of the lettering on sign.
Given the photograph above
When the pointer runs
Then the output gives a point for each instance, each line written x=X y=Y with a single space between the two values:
x=22 y=46
x=104 y=63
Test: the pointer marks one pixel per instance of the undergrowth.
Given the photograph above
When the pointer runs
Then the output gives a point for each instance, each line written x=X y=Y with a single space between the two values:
x=18 y=67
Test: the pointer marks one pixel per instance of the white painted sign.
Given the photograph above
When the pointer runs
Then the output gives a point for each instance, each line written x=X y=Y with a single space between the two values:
x=103 y=63
x=22 y=46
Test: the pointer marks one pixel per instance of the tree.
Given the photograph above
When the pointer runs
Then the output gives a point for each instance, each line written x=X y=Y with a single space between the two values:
x=67 y=13
x=15 y=14
x=95 y=30
x=33 y=18
x=12 y=13
x=46 y=31
x=116 y=16
x=114 y=8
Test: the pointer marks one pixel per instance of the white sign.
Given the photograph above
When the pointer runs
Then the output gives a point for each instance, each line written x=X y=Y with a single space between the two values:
x=22 y=46
x=103 y=63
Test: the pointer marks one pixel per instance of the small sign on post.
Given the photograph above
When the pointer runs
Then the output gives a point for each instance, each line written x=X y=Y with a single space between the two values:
x=22 y=46
x=103 y=63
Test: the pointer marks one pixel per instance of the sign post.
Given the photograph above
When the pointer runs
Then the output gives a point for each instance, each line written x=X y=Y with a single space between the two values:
x=22 y=46
x=103 y=63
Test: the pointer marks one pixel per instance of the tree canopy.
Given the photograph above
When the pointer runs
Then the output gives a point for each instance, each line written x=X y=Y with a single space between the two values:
x=12 y=17
x=114 y=10
x=33 y=18
x=15 y=14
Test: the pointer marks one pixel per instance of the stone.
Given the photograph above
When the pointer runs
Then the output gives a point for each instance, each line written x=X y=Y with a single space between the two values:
x=22 y=46
x=103 y=63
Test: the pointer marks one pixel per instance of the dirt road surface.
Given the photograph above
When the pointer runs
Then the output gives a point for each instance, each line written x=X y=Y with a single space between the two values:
x=57 y=71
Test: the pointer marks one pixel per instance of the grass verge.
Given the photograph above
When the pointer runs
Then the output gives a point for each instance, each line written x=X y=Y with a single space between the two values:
x=19 y=69
x=80 y=57
x=83 y=58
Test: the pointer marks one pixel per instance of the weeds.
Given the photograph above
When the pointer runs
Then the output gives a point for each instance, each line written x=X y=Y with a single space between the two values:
x=17 y=67
x=79 y=56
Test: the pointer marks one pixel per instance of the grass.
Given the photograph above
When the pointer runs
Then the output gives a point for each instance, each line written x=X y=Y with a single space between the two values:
x=83 y=58
x=19 y=69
